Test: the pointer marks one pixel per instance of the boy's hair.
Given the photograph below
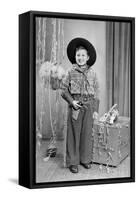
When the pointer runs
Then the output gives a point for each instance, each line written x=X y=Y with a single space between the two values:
x=81 y=47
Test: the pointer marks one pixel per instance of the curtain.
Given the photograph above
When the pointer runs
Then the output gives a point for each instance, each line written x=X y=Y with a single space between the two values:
x=49 y=47
x=118 y=66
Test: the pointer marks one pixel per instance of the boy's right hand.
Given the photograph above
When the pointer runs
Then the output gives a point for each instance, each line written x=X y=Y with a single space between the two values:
x=76 y=105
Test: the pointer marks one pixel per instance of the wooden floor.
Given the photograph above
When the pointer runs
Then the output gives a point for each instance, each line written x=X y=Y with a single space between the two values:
x=54 y=170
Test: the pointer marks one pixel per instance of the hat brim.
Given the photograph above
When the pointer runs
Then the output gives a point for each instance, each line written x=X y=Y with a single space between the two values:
x=75 y=43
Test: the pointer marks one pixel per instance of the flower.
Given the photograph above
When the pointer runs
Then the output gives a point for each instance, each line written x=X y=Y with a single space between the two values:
x=45 y=69
x=55 y=72
x=61 y=73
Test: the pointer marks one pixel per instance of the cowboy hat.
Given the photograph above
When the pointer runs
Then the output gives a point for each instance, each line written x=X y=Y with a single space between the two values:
x=77 y=42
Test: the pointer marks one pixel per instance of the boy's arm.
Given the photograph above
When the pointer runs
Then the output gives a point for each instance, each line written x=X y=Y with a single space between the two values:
x=67 y=96
x=65 y=90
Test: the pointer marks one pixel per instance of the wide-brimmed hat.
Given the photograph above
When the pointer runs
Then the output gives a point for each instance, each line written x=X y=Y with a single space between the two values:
x=75 y=43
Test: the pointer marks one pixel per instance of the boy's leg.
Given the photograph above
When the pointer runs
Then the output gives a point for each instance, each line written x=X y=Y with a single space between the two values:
x=86 y=136
x=73 y=139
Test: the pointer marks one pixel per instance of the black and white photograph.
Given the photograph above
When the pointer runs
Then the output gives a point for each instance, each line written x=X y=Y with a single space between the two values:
x=68 y=100
x=83 y=99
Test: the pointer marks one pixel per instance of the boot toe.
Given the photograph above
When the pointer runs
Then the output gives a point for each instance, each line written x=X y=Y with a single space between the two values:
x=86 y=165
x=73 y=168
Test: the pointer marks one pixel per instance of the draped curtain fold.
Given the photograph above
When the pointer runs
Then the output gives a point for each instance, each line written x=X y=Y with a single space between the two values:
x=118 y=66
x=49 y=47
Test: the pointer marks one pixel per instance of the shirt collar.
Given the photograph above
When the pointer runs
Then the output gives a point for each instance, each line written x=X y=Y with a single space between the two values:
x=79 y=69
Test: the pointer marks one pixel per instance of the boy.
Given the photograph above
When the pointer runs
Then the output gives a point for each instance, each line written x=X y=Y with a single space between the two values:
x=80 y=90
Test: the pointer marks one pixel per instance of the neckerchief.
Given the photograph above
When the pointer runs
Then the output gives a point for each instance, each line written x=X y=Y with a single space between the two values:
x=83 y=71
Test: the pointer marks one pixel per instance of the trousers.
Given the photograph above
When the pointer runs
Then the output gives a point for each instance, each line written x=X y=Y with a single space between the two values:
x=79 y=136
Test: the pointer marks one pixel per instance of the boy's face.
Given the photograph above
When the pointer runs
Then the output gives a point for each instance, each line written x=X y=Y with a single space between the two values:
x=81 y=57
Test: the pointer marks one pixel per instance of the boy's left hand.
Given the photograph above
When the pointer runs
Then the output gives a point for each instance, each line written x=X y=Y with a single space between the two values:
x=95 y=115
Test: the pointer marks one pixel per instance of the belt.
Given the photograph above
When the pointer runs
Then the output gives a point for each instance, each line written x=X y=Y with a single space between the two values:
x=83 y=98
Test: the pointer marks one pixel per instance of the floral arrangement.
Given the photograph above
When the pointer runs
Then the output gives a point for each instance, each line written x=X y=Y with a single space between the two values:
x=52 y=74
x=111 y=116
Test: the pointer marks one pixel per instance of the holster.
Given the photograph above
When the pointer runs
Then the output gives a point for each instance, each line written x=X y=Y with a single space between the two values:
x=75 y=113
